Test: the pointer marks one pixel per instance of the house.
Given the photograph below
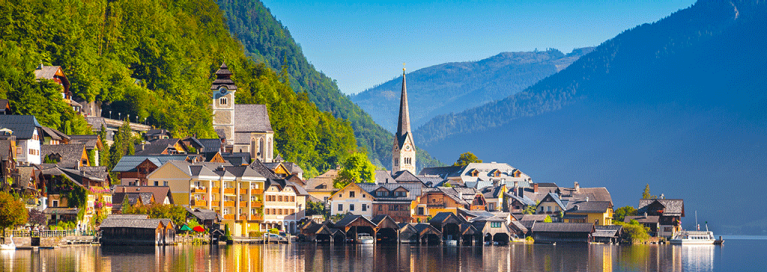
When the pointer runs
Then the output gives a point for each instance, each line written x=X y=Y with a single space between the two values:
x=204 y=217
x=405 y=176
x=652 y=222
x=448 y=224
x=54 y=215
x=56 y=74
x=211 y=145
x=388 y=230
x=494 y=195
x=117 y=230
x=395 y=200
x=669 y=212
x=608 y=234
x=5 y=107
x=52 y=136
x=93 y=145
x=28 y=132
x=8 y=159
x=321 y=187
x=161 y=147
x=284 y=205
x=353 y=224
x=518 y=204
x=447 y=199
x=133 y=170
x=72 y=156
x=381 y=176
x=562 y=232
x=235 y=192
x=492 y=173
x=493 y=229
x=552 y=206
x=141 y=195
x=598 y=212
x=156 y=134
x=352 y=199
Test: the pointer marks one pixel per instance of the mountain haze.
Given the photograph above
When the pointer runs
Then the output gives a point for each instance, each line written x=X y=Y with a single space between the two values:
x=679 y=104
x=266 y=40
x=456 y=86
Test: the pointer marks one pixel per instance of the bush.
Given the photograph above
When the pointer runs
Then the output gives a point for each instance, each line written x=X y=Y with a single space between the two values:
x=274 y=230
x=637 y=233
x=529 y=239
x=547 y=219
x=255 y=234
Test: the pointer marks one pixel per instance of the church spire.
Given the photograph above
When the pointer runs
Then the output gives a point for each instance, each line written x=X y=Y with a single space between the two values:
x=403 y=125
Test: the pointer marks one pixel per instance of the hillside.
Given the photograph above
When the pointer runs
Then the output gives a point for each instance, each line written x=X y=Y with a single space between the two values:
x=266 y=40
x=457 y=86
x=678 y=104
x=155 y=61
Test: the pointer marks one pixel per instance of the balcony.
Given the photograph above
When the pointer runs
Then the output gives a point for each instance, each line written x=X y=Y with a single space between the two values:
x=199 y=190
x=436 y=205
x=257 y=217
x=255 y=204
x=229 y=216
x=201 y=203
x=228 y=203
x=216 y=189
x=256 y=191
x=229 y=191
x=243 y=217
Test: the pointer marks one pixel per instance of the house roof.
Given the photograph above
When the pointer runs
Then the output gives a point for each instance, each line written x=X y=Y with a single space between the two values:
x=672 y=207
x=430 y=180
x=160 y=193
x=322 y=182
x=592 y=194
x=588 y=206
x=54 y=134
x=414 y=191
x=156 y=147
x=128 y=216
x=46 y=72
x=405 y=176
x=134 y=223
x=518 y=226
x=350 y=218
x=383 y=176
x=607 y=231
x=23 y=126
x=442 y=217
x=210 y=145
x=442 y=172
x=70 y=154
x=533 y=217
x=90 y=141
x=293 y=167
x=203 y=214
x=262 y=169
x=237 y=158
x=642 y=218
x=243 y=171
x=555 y=198
x=130 y=162
x=69 y=211
x=251 y=118
x=524 y=199
x=223 y=78
x=563 y=227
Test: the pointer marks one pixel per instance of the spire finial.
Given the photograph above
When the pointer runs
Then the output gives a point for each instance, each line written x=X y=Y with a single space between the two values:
x=403 y=67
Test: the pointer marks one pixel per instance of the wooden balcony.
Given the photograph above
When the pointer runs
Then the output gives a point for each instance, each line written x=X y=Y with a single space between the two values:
x=256 y=204
x=242 y=217
x=199 y=190
x=228 y=203
x=229 y=191
x=256 y=191
x=229 y=216
x=257 y=217
x=201 y=203
x=216 y=189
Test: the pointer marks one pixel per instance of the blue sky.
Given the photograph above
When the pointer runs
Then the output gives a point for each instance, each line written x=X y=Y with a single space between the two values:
x=364 y=43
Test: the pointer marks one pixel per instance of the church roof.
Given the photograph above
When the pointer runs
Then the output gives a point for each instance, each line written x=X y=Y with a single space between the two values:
x=403 y=124
x=223 y=79
x=251 y=118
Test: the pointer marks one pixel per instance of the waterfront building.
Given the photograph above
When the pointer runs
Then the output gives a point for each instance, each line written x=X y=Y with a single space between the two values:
x=552 y=206
x=493 y=228
x=140 y=195
x=494 y=195
x=284 y=205
x=597 y=212
x=562 y=232
x=403 y=149
x=137 y=230
x=133 y=170
x=665 y=214
x=352 y=199
x=447 y=199
x=395 y=200
x=321 y=187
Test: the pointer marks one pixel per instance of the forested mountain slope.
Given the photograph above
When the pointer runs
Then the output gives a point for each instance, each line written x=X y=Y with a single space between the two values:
x=268 y=41
x=457 y=86
x=155 y=61
x=679 y=104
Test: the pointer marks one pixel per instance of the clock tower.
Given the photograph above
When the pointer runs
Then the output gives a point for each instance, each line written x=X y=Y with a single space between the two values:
x=223 y=89
x=403 y=151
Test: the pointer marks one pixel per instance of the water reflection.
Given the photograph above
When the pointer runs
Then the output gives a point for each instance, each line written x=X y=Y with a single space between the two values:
x=310 y=257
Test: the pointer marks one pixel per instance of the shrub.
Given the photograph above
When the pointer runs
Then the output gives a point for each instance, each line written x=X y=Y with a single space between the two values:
x=529 y=239
x=274 y=230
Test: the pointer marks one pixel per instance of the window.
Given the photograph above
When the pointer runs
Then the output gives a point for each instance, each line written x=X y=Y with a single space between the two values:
x=351 y=207
x=165 y=183
x=548 y=208
x=340 y=207
x=380 y=193
x=156 y=183
x=420 y=210
x=222 y=101
x=380 y=207
x=492 y=206
x=55 y=203
x=253 y=211
x=351 y=194
x=364 y=207
x=495 y=224
x=279 y=198
x=292 y=199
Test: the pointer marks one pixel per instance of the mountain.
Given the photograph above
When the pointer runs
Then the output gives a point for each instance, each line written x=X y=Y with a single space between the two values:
x=678 y=104
x=155 y=61
x=457 y=86
x=266 y=40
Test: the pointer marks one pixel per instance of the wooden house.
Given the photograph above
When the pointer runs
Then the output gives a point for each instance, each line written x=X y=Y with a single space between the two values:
x=562 y=232
x=135 y=231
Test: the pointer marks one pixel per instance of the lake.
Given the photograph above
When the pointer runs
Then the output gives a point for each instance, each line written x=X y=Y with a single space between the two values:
x=740 y=253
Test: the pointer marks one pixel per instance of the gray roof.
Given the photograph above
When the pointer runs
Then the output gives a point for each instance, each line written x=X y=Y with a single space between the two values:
x=251 y=118
x=349 y=218
x=90 y=141
x=403 y=122
x=383 y=176
x=593 y=194
x=588 y=206
x=442 y=172
x=210 y=145
x=556 y=199
x=160 y=193
x=563 y=227
x=533 y=217
x=70 y=154
x=129 y=163
x=442 y=217
x=223 y=79
x=51 y=210
x=156 y=147
x=642 y=219
x=54 y=133
x=238 y=158
x=293 y=167
x=23 y=126
x=262 y=169
x=298 y=188
x=241 y=171
x=133 y=223
x=518 y=226
x=430 y=180
x=203 y=214
x=607 y=231
x=672 y=207
x=128 y=216
x=414 y=191
x=96 y=123
x=524 y=199
x=46 y=72
x=406 y=177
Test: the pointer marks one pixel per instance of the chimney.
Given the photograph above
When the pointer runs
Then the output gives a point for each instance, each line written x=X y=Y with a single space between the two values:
x=587 y=199
x=535 y=187
x=662 y=196
x=516 y=188
x=577 y=187
x=123 y=189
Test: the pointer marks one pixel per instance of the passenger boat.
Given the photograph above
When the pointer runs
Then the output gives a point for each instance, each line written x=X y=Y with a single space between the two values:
x=451 y=242
x=11 y=246
x=693 y=238
x=364 y=238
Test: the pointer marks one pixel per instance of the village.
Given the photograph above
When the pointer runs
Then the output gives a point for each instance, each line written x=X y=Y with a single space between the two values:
x=237 y=188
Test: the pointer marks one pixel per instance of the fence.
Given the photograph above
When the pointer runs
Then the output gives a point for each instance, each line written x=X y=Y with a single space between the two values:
x=51 y=233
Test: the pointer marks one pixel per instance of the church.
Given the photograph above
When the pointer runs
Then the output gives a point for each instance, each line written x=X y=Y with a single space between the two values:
x=242 y=127
x=403 y=150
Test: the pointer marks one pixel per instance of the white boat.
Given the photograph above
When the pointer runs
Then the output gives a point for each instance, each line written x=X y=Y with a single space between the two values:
x=693 y=238
x=364 y=238
x=451 y=242
x=11 y=246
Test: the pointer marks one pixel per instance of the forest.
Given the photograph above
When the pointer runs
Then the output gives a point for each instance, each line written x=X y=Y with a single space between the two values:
x=155 y=62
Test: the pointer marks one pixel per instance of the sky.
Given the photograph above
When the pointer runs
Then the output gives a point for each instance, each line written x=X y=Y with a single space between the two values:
x=361 y=44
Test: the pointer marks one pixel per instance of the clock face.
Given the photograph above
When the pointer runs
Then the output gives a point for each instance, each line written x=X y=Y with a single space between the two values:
x=222 y=90
x=407 y=147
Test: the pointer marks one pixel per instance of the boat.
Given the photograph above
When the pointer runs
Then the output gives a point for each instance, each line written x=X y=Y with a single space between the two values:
x=11 y=246
x=364 y=238
x=690 y=237
x=451 y=242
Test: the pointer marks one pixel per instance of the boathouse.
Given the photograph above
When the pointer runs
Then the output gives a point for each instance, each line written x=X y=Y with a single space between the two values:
x=448 y=224
x=352 y=224
x=562 y=232
x=387 y=228
x=137 y=231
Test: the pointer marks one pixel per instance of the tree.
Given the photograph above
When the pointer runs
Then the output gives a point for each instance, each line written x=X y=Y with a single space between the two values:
x=313 y=208
x=36 y=217
x=622 y=212
x=547 y=219
x=530 y=209
x=637 y=232
x=646 y=193
x=12 y=211
x=448 y=185
x=356 y=168
x=466 y=159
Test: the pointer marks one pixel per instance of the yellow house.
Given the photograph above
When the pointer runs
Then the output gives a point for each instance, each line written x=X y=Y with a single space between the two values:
x=321 y=187
x=234 y=192
x=597 y=212
x=551 y=205
x=352 y=199
x=446 y=199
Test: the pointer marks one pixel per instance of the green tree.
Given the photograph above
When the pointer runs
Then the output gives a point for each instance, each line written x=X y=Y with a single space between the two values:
x=622 y=212
x=448 y=185
x=12 y=211
x=646 y=193
x=547 y=219
x=530 y=209
x=356 y=168
x=637 y=232
x=466 y=159
x=315 y=207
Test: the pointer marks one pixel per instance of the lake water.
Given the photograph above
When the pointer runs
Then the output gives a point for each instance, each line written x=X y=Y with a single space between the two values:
x=738 y=254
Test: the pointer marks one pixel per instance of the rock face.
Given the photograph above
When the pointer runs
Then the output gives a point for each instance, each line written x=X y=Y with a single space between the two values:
x=456 y=86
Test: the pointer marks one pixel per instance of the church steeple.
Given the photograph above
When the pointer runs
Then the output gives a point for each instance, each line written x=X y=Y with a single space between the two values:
x=403 y=151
